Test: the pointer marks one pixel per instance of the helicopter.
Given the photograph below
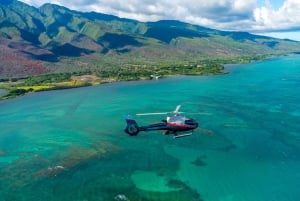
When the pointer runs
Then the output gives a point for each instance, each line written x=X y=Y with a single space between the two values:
x=179 y=126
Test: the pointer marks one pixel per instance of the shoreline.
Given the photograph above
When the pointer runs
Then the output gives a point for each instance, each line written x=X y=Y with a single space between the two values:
x=17 y=90
x=80 y=81
x=3 y=92
x=6 y=93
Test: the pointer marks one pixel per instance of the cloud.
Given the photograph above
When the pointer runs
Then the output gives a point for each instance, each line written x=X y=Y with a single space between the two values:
x=285 y=18
x=238 y=15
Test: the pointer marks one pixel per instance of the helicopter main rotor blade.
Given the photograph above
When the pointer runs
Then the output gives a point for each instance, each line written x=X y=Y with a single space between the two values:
x=176 y=111
x=154 y=113
x=200 y=113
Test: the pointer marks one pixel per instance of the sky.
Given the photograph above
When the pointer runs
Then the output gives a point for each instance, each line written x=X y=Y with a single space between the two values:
x=275 y=18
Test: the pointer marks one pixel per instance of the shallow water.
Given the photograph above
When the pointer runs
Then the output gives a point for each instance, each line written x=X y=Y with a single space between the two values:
x=2 y=92
x=70 y=144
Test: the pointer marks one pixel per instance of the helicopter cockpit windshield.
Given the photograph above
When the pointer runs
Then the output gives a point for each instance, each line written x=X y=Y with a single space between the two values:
x=176 y=120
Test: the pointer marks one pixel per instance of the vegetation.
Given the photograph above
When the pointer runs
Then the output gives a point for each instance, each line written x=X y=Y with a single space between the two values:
x=46 y=79
x=16 y=92
x=58 y=81
x=128 y=72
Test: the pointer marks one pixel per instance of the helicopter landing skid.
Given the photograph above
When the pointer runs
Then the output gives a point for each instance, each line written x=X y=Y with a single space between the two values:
x=182 y=135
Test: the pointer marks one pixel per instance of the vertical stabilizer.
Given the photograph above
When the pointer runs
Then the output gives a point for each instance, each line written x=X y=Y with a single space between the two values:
x=132 y=127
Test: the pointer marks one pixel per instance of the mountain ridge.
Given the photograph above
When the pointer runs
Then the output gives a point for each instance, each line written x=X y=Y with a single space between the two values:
x=63 y=40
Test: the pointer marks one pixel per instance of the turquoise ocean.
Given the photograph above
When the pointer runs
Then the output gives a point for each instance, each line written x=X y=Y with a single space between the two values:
x=70 y=145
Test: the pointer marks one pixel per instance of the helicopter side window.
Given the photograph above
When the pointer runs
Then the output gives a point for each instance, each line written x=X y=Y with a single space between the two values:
x=176 y=119
x=189 y=122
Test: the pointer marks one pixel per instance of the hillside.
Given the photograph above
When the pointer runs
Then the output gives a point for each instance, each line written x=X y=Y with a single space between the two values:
x=54 y=39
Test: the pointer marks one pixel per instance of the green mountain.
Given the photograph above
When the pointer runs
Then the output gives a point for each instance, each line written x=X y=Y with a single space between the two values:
x=53 y=38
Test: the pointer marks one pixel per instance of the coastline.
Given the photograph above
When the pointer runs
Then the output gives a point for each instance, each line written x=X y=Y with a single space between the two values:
x=3 y=92
x=6 y=95
x=12 y=90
